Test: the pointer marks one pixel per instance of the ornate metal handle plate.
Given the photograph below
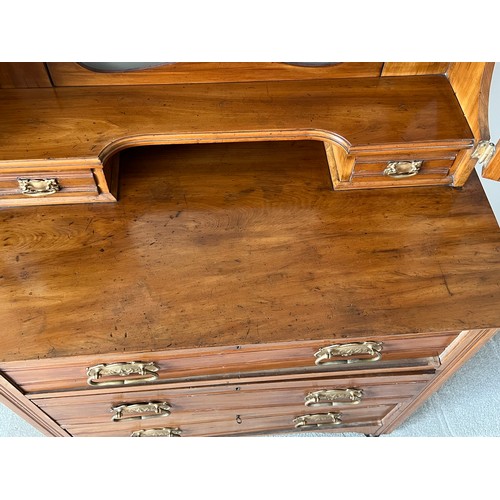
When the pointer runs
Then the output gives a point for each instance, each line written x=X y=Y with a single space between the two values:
x=402 y=169
x=127 y=371
x=140 y=411
x=334 y=397
x=161 y=432
x=38 y=187
x=318 y=421
x=350 y=351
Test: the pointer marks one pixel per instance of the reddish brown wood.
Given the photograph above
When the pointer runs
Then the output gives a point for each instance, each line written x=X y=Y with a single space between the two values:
x=233 y=264
x=239 y=360
x=353 y=116
x=249 y=421
x=471 y=82
x=76 y=185
x=15 y=75
x=414 y=68
x=223 y=232
x=196 y=403
x=74 y=74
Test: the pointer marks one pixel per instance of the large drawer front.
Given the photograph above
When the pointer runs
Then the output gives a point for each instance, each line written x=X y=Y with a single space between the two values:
x=228 y=362
x=366 y=420
x=240 y=406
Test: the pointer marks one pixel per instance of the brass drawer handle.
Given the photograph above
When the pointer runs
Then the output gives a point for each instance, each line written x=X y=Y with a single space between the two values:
x=147 y=372
x=140 y=411
x=334 y=397
x=161 y=432
x=402 y=169
x=369 y=348
x=38 y=187
x=318 y=421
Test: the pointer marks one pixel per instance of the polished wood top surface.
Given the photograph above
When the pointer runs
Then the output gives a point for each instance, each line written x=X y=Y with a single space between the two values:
x=213 y=245
x=91 y=123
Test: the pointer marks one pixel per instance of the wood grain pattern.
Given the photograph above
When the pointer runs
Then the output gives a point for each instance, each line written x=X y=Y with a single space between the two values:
x=243 y=244
x=198 y=404
x=415 y=352
x=471 y=83
x=414 y=68
x=73 y=74
x=250 y=421
x=15 y=75
x=230 y=267
x=359 y=115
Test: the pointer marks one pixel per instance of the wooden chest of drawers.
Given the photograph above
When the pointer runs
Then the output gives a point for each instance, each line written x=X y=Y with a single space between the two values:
x=230 y=291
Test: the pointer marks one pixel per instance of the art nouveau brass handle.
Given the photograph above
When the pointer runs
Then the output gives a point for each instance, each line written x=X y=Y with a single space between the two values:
x=318 y=421
x=334 y=397
x=350 y=351
x=140 y=411
x=122 y=374
x=161 y=432
x=402 y=169
x=38 y=187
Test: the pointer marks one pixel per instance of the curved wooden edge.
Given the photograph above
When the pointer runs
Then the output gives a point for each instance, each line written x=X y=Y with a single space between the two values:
x=16 y=401
x=340 y=156
x=122 y=143
x=337 y=147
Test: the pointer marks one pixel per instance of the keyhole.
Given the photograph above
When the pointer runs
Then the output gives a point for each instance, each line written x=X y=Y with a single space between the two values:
x=238 y=419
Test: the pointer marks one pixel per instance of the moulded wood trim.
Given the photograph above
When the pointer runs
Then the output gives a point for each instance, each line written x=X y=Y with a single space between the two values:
x=313 y=134
x=75 y=74
x=109 y=119
x=188 y=353
x=15 y=400
x=453 y=357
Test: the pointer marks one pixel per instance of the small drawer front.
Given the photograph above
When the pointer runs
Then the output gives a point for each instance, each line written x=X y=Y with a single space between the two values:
x=186 y=406
x=388 y=353
x=46 y=187
x=403 y=170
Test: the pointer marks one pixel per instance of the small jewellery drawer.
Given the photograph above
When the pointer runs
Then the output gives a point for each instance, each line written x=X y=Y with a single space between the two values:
x=403 y=169
x=47 y=186
x=381 y=354
x=185 y=407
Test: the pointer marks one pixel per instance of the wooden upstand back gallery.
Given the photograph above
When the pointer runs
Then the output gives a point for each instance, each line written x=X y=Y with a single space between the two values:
x=241 y=249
